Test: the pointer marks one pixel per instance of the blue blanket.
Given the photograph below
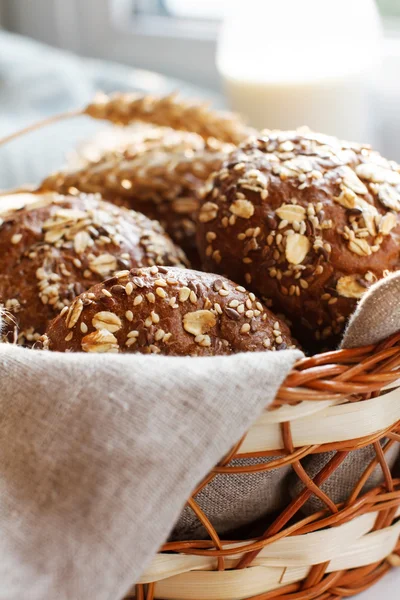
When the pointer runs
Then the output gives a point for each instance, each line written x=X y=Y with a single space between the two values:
x=36 y=81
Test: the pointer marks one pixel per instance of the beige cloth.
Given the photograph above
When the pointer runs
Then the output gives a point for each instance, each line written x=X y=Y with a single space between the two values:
x=98 y=454
x=232 y=501
x=377 y=315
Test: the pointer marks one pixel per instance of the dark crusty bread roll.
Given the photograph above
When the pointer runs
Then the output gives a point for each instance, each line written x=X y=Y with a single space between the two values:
x=170 y=311
x=306 y=221
x=56 y=247
x=155 y=170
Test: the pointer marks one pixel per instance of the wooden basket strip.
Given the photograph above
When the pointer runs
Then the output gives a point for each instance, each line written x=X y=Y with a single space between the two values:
x=296 y=550
x=335 y=423
x=266 y=575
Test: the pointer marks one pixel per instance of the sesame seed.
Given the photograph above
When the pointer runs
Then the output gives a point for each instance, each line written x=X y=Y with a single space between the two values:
x=16 y=238
x=129 y=288
x=161 y=283
x=184 y=294
x=218 y=308
x=161 y=292
x=84 y=328
x=155 y=317
x=106 y=293
x=193 y=297
x=138 y=300
x=129 y=315
x=279 y=340
x=133 y=334
x=159 y=334
x=211 y=236
x=223 y=292
x=240 y=288
x=154 y=270
x=245 y=328
x=303 y=284
x=151 y=297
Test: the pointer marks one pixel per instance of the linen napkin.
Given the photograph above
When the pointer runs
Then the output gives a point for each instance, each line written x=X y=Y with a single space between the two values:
x=98 y=454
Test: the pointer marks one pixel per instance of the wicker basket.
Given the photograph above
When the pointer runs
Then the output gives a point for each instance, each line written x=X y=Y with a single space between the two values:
x=335 y=553
x=338 y=551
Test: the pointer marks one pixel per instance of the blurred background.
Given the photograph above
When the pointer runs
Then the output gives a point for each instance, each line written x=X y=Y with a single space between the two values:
x=331 y=64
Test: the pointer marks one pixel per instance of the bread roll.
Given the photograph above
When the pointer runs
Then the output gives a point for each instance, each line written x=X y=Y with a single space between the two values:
x=166 y=310
x=155 y=170
x=55 y=247
x=307 y=222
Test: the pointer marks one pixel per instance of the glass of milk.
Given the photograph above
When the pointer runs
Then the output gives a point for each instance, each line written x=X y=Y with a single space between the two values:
x=288 y=63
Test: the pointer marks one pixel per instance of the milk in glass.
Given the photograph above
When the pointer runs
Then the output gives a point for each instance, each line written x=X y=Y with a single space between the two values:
x=288 y=63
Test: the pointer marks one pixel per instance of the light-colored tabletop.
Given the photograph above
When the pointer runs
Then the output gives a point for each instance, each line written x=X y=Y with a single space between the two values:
x=387 y=588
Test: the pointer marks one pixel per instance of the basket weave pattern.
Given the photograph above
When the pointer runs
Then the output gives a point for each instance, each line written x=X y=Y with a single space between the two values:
x=335 y=553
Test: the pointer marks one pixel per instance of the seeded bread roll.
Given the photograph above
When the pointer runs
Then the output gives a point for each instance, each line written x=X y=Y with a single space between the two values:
x=55 y=247
x=155 y=170
x=165 y=310
x=305 y=221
